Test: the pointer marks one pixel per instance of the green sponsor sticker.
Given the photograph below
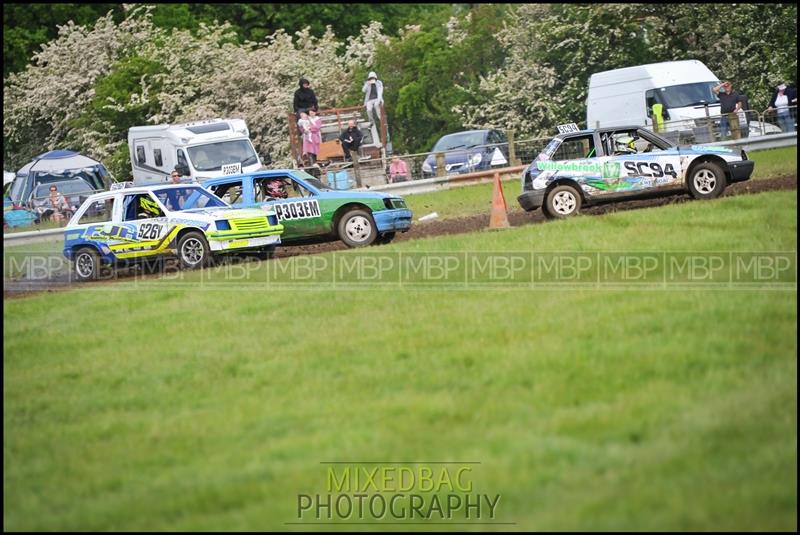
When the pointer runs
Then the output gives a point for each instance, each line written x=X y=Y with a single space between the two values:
x=611 y=170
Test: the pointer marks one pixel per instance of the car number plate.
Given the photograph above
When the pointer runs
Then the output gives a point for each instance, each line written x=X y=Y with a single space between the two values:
x=232 y=169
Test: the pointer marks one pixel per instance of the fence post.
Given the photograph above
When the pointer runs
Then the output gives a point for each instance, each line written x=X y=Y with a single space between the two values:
x=357 y=169
x=512 y=149
x=440 y=170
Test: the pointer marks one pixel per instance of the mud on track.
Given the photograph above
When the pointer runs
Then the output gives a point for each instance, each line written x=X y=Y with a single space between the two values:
x=459 y=225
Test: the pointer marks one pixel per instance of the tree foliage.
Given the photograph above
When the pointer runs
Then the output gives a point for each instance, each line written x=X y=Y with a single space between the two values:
x=89 y=86
x=27 y=26
x=553 y=49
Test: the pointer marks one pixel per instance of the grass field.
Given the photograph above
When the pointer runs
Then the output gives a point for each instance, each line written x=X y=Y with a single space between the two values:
x=470 y=200
x=172 y=405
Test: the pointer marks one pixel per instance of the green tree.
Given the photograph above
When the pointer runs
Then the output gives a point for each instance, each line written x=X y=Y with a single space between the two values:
x=428 y=71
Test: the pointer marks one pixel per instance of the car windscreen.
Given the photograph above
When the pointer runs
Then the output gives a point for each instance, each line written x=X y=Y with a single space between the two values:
x=16 y=188
x=212 y=156
x=188 y=198
x=459 y=141
x=549 y=150
x=684 y=95
x=73 y=187
x=311 y=180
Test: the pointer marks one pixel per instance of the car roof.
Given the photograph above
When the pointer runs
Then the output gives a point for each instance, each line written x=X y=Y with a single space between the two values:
x=142 y=189
x=462 y=132
x=261 y=172
x=600 y=130
x=56 y=183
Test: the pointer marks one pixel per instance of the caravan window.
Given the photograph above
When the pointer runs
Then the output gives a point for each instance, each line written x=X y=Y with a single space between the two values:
x=157 y=157
x=140 y=158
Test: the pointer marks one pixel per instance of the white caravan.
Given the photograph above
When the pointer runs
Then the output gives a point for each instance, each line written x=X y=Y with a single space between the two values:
x=625 y=97
x=200 y=150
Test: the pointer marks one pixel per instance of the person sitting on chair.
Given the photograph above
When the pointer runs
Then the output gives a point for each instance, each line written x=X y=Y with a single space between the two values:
x=350 y=139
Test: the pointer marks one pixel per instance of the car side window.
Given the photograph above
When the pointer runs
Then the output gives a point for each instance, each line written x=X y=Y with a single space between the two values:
x=232 y=194
x=278 y=187
x=576 y=148
x=98 y=212
x=140 y=206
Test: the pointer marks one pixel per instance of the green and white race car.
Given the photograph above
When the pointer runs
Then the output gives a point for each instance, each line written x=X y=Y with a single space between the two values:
x=581 y=167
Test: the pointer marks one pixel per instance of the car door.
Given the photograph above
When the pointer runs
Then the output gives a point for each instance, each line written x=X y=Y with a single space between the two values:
x=650 y=165
x=150 y=225
x=577 y=157
x=299 y=211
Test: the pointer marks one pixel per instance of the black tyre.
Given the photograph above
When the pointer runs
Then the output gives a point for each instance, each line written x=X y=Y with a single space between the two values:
x=87 y=264
x=193 y=250
x=707 y=181
x=357 y=228
x=383 y=239
x=561 y=202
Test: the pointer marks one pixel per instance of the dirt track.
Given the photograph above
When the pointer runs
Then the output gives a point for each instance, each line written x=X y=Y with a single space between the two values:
x=460 y=225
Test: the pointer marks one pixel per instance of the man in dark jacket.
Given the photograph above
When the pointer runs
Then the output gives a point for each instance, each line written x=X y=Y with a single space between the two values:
x=729 y=105
x=304 y=98
x=350 y=138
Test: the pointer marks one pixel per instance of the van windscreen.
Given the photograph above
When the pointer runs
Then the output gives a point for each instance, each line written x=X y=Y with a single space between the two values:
x=685 y=95
x=212 y=156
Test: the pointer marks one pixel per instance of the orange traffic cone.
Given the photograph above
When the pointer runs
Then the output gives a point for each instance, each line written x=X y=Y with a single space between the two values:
x=499 y=217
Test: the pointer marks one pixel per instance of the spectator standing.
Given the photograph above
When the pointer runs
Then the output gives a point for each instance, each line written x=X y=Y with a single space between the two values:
x=312 y=138
x=398 y=170
x=781 y=100
x=730 y=104
x=304 y=98
x=351 y=139
x=373 y=100
x=175 y=176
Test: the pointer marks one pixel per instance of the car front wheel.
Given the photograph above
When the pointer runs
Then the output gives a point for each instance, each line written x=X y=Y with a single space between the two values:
x=561 y=202
x=357 y=228
x=193 y=250
x=707 y=181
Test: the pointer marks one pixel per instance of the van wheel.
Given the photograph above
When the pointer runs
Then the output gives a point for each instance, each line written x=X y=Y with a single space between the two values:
x=707 y=181
x=193 y=250
x=357 y=228
x=87 y=264
x=561 y=202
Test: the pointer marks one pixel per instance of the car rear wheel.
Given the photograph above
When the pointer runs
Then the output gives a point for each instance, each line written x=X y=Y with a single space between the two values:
x=707 y=181
x=561 y=202
x=193 y=250
x=357 y=228
x=87 y=264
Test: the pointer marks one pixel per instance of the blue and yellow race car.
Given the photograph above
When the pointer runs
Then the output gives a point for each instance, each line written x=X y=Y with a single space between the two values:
x=136 y=225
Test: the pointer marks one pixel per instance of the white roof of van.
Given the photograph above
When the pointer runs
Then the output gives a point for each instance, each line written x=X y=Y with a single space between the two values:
x=195 y=131
x=660 y=74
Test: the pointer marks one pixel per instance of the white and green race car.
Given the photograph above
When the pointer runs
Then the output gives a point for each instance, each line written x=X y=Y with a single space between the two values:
x=581 y=167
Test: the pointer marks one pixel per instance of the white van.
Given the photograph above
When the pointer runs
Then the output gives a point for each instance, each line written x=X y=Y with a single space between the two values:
x=626 y=96
x=201 y=150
